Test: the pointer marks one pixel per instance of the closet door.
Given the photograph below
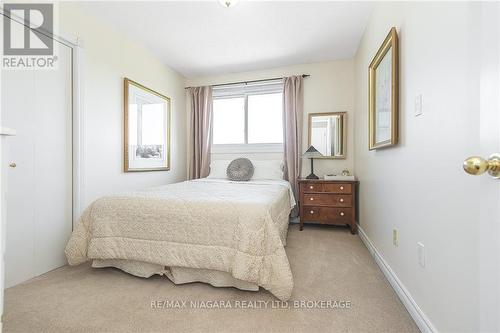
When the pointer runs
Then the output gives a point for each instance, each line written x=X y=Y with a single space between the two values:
x=18 y=179
x=53 y=162
x=37 y=168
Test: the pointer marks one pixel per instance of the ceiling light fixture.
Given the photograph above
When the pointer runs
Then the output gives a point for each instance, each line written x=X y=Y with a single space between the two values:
x=228 y=3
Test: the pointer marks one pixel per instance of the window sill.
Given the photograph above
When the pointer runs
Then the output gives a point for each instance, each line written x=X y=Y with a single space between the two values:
x=248 y=148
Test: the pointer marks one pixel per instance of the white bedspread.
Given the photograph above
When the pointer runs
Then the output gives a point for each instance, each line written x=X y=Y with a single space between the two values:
x=234 y=227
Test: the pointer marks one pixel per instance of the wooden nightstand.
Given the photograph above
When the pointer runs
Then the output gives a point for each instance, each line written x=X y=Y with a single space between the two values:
x=328 y=202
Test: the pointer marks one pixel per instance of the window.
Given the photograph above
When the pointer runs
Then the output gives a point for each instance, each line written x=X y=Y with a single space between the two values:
x=265 y=118
x=229 y=120
x=249 y=116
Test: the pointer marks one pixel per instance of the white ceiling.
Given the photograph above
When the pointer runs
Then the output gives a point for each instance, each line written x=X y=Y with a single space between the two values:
x=203 y=38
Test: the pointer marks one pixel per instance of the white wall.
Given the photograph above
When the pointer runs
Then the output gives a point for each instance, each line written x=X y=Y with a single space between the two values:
x=108 y=58
x=328 y=89
x=418 y=187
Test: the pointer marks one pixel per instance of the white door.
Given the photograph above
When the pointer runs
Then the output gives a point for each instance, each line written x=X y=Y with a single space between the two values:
x=489 y=187
x=37 y=163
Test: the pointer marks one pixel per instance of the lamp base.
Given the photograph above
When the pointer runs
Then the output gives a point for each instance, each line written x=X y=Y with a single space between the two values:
x=312 y=176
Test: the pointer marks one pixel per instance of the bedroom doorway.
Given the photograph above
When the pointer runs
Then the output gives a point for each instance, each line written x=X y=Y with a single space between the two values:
x=37 y=166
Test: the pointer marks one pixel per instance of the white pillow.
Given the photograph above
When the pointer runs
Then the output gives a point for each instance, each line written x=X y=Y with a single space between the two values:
x=267 y=169
x=218 y=169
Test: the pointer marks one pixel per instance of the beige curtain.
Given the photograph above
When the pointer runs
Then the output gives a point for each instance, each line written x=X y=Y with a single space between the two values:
x=201 y=123
x=293 y=109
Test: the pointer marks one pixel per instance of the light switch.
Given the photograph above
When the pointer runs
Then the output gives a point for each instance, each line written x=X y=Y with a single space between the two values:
x=418 y=105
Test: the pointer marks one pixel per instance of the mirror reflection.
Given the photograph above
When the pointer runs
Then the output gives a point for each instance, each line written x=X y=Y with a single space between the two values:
x=327 y=133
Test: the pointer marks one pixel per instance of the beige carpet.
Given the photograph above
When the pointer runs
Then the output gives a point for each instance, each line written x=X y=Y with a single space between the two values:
x=328 y=264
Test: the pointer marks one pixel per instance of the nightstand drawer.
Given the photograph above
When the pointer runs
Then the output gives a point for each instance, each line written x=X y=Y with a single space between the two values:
x=328 y=215
x=337 y=188
x=312 y=187
x=333 y=200
x=311 y=213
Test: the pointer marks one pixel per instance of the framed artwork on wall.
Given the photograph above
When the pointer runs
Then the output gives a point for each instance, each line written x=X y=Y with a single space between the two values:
x=147 y=129
x=383 y=94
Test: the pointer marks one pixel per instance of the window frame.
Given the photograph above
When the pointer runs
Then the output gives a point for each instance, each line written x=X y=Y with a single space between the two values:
x=244 y=91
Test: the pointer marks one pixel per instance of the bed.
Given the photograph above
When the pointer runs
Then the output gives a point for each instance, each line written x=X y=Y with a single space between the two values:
x=215 y=231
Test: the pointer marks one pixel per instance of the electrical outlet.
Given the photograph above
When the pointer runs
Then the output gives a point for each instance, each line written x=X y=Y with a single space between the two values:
x=421 y=254
x=395 y=237
x=418 y=105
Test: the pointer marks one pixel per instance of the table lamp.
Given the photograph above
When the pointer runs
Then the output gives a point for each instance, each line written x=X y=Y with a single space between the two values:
x=312 y=153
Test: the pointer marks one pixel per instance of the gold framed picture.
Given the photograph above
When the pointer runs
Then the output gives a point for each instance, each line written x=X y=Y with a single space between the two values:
x=147 y=129
x=383 y=94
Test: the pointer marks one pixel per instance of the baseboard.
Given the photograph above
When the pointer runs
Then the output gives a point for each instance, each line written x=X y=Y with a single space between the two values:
x=422 y=321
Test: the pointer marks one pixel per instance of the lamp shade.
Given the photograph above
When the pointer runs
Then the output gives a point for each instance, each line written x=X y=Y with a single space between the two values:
x=312 y=152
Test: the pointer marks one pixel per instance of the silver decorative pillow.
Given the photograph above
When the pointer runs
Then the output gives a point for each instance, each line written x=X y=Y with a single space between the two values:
x=240 y=169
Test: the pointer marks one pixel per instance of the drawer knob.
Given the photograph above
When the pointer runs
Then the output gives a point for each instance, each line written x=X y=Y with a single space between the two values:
x=312 y=199
x=342 y=214
x=341 y=187
x=311 y=187
x=312 y=211
x=341 y=200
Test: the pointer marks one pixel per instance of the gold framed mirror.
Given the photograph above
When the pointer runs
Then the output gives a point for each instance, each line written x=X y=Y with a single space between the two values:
x=147 y=129
x=383 y=94
x=328 y=134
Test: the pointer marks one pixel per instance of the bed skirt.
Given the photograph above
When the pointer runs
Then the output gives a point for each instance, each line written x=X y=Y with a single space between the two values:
x=178 y=275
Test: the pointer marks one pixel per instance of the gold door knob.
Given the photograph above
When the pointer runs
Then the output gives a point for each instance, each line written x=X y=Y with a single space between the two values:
x=312 y=211
x=341 y=200
x=312 y=199
x=342 y=214
x=12 y=165
x=477 y=165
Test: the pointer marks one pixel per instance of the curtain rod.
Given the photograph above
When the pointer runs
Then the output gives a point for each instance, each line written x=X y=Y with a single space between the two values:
x=247 y=82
